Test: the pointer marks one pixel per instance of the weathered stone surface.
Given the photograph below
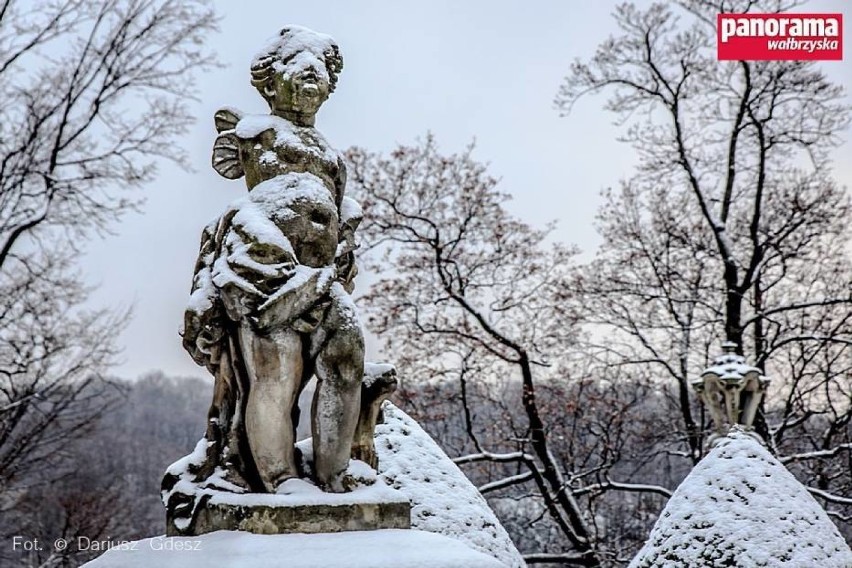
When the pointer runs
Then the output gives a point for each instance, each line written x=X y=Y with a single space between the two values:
x=270 y=305
x=287 y=518
x=379 y=383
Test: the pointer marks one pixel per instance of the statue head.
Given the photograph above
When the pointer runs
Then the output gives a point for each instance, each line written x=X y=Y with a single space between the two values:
x=296 y=72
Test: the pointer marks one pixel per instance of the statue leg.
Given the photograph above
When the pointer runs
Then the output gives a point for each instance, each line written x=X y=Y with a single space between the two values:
x=274 y=366
x=339 y=346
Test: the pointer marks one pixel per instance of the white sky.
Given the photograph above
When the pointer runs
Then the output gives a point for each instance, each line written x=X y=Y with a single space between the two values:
x=483 y=69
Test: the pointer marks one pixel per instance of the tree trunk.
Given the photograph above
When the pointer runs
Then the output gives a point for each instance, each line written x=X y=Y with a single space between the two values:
x=552 y=473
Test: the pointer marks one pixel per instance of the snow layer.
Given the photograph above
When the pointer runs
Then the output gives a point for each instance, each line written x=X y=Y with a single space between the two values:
x=350 y=210
x=276 y=197
x=299 y=492
x=731 y=366
x=231 y=549
x=287 y=135
x=740 y=507
x=301 y=48
x=256 y=250
x=442 y=499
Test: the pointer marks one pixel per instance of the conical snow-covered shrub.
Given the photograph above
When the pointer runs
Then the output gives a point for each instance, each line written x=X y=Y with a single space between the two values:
x=442 y=499
x=740 y=507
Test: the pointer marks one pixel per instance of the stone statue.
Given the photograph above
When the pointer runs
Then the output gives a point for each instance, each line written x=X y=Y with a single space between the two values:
x=270 y=304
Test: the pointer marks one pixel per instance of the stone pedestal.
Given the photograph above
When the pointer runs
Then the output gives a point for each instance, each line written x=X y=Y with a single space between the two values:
x=303 y=508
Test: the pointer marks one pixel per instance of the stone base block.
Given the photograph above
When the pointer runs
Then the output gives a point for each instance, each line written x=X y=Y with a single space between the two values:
x=306 y=510
x=264 y=519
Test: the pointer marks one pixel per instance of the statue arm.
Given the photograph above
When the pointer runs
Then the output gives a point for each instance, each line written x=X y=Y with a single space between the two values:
x=305 y=289
x=202 y=329
x=351 y=215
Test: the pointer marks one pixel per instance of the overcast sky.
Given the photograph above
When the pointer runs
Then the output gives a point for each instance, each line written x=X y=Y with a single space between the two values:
x=474 y=69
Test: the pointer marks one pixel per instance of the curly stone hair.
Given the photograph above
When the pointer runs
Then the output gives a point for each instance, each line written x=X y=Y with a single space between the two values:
x=262 y=68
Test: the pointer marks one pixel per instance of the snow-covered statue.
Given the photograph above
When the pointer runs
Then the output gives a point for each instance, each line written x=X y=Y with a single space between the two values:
x=270 y=305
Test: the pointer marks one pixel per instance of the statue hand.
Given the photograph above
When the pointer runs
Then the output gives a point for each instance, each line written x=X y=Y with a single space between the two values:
x=307 y=287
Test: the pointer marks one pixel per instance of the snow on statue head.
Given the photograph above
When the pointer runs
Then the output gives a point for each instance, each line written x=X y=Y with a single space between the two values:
x=298 y=68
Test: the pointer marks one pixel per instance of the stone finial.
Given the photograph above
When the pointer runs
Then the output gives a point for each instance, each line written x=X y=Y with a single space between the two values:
x=731 y=390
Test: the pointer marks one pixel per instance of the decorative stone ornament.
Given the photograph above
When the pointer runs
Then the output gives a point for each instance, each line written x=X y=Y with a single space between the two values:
x=731 y=390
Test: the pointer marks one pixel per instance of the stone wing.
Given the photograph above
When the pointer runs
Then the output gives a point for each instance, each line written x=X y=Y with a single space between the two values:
x=226 y=149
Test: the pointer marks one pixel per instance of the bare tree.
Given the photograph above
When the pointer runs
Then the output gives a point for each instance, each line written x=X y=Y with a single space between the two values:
x=93 y=94
x=51 y=364
x=472 y=295
x=107 y=488
x=731 y=228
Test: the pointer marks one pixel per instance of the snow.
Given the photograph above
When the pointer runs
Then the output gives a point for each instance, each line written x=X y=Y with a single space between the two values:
x=231 y=109
x=252 y=125
x=204 y=293
x=275 y=197
x=378 y=369
x=224 y=275
x=347 y=310
x=253 y=220
x=731 y=367
x=268 y=157
x=442 y=499
x=196 y=458
x=296 y=492
x=301 y=276
x=740 y=507
x=215 y=484
x=301 y=47
x=284 y=190
x=287 y=135
x=375 y=371
x=231 y=549
x=350 y=209
x=202 y=298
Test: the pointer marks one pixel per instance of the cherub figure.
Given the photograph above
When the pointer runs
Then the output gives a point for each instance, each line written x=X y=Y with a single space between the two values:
x=270 y=304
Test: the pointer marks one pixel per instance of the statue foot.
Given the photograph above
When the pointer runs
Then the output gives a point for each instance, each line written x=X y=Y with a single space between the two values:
x=358 y=474
x=342 y=483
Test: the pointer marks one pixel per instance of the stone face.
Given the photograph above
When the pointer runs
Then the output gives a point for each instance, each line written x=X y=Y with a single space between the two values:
x=270 y=309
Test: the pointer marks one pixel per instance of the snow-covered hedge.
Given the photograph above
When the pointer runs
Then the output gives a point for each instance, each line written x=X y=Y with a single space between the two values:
x=442 y=499
x=740 y=507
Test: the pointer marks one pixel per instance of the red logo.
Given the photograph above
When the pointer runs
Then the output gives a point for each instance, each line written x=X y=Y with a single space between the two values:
x=775 y=37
